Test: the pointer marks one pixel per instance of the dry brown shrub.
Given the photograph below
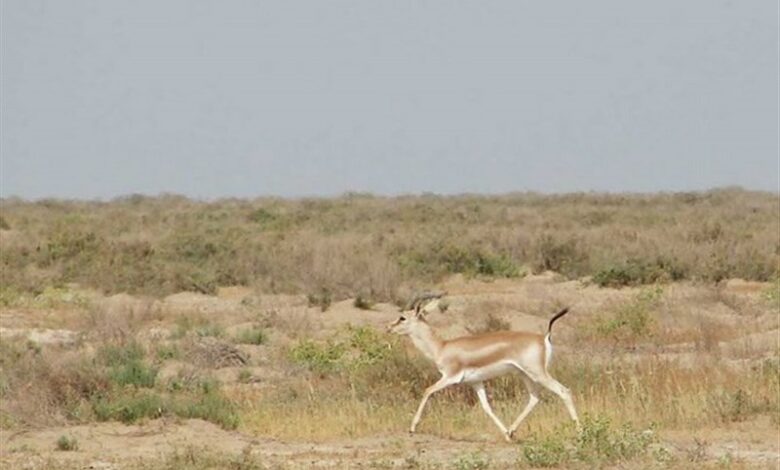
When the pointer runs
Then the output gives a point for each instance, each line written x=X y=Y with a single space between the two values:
x=47 y=386
x=208 y=352
x=119 y=317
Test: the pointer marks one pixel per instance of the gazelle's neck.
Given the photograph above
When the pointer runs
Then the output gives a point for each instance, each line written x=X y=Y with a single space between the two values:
x=426 y=340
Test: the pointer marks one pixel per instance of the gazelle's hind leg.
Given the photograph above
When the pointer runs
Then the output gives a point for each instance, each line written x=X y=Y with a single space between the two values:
x=533 y=399
x=557 y=388
x=540 y=376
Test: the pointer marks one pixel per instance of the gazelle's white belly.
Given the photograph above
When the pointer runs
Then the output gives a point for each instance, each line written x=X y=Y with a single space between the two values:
x=487 y=372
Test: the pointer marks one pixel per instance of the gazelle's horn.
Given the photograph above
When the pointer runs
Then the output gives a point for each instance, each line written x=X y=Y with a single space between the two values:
x=420 y=298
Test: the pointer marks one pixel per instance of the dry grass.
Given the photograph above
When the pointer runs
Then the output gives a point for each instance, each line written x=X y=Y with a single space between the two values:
x=651 y=391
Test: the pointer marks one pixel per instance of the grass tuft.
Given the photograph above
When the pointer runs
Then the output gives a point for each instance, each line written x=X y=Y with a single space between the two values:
x=67 y=443
x=254 y=335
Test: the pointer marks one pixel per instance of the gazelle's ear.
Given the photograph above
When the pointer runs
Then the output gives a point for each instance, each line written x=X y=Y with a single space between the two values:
x=430 y=306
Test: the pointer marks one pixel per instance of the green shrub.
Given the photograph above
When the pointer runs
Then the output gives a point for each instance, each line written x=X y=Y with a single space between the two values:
x=4 y=225
x=597 y=444
x=363 y=347
x=772 y=293
x=492 y=323
x=733 y=406
x=636 y=272
x=204 y=402
x=363 y=303
x=318 y=357
x=67 y=443
x=268 y=220
x=113 y=355
x=10 y=296
x=244 y=375
x=374 y=366
x=165 y=352
x=52 y=297
x=134 y=373
x=66 y=244
x=563 y=256
x=472 y=461
x=210 y=329
x=633 y=319
x=368 y=345
x=210 y=405
x=497 y=266
x=449 y=258
x=254 y=335
x=322 y=300
x=127 y=365
x=548 y=451
x=128 y=407
x=201 y=326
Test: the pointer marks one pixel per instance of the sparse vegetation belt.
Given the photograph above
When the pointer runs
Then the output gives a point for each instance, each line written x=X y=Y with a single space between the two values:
x=360 y=245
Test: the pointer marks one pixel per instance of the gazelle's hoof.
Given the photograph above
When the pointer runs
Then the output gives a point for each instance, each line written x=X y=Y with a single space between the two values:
x=508 y=436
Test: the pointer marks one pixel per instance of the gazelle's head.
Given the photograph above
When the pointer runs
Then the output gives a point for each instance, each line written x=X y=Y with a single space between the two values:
x=413 y=315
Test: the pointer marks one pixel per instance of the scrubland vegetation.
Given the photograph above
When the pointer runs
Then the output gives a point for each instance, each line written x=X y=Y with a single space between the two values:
x=663 y=357
x=359 y=245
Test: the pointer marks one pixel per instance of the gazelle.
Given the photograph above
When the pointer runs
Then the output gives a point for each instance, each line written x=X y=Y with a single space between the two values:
x=477 y=358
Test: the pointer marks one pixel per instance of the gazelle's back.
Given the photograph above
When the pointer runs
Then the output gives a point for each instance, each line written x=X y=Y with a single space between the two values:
x=489 y=348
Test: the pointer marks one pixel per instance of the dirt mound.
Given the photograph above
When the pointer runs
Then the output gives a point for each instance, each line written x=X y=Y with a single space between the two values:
x=740 y=286
x=42 y=336
x=116 y=442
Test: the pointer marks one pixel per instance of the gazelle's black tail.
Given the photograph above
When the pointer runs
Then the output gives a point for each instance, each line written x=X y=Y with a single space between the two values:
x=552 y=320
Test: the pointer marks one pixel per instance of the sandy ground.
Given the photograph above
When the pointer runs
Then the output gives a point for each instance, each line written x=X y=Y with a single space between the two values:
x=118 y=446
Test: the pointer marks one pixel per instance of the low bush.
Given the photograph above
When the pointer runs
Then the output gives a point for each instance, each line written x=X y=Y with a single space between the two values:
x=322 y=299
x=317 y=357
x=126 y=365
x=598 y=444
x=166 y=351
x=562 y=255
x=67 y=443
x=129 y=406
x=472 y=461
x=199 y=325
x=437 y=259
x=637 y=272
x=363 y=303
x=632 y=320
x=492 y=323
x=254 y=335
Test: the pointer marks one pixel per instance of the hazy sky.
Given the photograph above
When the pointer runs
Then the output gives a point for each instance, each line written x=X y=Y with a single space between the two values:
x=246 y=98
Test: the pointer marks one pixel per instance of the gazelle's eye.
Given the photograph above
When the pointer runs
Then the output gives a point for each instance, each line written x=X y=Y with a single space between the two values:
x=402 y=318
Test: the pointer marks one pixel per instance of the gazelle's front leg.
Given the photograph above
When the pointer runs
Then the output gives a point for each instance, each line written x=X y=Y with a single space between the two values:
x=479 y=387
x=443 y=382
